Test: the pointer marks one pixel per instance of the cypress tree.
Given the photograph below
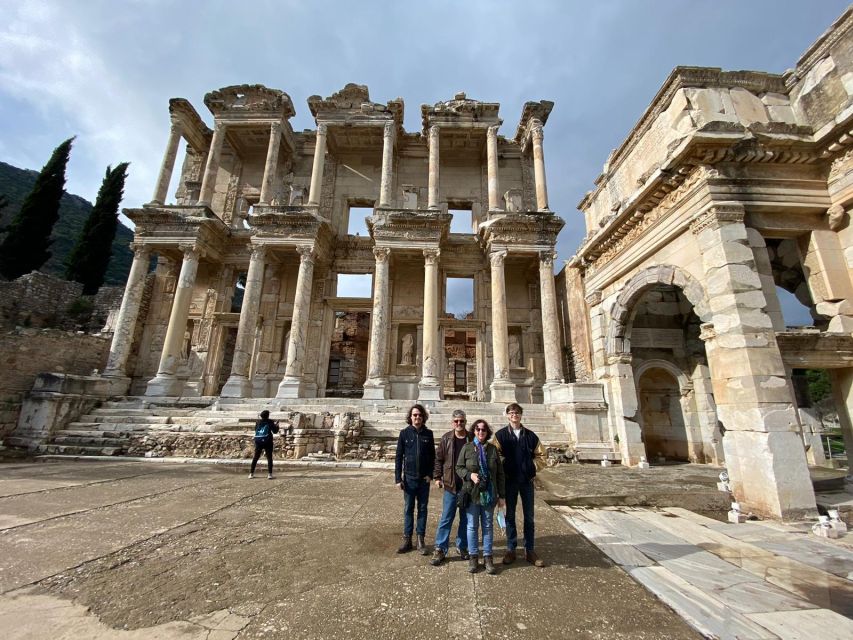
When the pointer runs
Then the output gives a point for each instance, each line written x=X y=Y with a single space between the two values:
x=26 y=246
x=90 y=257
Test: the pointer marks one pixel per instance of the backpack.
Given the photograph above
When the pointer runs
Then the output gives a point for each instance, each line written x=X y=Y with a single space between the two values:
x=262 y=430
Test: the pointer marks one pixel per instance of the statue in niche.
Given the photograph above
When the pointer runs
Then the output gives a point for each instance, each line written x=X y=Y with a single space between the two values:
x=512 y=201
x=407 y=350
x=514 y=350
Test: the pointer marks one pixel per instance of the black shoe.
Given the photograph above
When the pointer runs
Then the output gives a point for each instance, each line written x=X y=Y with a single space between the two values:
x=422 y=548
x=473 y=564
x=490 y=565
x=406 y=545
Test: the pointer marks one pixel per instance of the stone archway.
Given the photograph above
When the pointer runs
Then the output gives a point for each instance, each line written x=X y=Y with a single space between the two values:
x=662 y=414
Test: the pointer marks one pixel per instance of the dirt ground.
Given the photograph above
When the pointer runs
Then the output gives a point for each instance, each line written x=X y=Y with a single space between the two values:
x=136 y=550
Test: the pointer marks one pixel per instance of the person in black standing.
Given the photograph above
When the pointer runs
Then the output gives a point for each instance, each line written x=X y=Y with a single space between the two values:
x=523 y=454
x=413 y=467
x=264 y=428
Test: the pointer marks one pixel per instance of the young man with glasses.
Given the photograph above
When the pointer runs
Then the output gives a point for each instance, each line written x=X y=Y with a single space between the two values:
x=413 y=467
x=523 y=455
x=446 y=478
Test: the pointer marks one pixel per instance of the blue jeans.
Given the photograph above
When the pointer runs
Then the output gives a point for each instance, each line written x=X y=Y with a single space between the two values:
x=477 y=514
x=415 y=490
x=445 y=525
x=513 y=491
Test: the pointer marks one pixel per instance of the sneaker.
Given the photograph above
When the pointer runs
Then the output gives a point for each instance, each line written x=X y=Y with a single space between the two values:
x=251 y=475
x=437 y=557
x=270 y=477
x=533 y=559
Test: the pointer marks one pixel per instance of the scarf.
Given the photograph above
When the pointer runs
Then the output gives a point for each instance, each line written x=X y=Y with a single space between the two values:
x=487 y=496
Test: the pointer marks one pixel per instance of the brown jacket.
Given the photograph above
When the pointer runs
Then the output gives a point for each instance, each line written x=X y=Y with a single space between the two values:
x=445 y=464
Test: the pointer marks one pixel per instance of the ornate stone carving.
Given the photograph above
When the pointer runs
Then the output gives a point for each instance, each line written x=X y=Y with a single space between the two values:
x=431 y=256
x=306 y=254
x=381 y=253
x=594 y=298
x=254 y=98
x=497 y=258
x=836 y=215
x=717 y=216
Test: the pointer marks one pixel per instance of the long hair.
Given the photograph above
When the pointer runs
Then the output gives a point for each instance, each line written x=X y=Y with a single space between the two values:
x=485 y=424
x=423 y=413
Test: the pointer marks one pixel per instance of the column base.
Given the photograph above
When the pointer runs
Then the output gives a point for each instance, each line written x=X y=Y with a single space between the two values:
x=237 y=387
x=119 y=384
x=429 y=391
x=554 y=392
x=377 y=390
x=290 y=388
x=165 y=385
x=503 y=391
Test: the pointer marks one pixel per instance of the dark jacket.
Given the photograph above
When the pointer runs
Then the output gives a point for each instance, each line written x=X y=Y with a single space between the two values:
x=522 y=457
x=415 y=454
x=445 y=463
x=469 y=463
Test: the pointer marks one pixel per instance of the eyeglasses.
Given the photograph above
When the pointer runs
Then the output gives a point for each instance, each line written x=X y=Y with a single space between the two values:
x=481 y=429
x=513 y=413
x=460 y=421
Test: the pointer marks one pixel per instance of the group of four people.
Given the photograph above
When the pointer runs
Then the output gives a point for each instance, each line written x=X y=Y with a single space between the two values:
x=478 y=474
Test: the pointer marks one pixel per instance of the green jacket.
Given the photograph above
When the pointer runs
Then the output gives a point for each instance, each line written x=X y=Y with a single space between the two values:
x=469 y=463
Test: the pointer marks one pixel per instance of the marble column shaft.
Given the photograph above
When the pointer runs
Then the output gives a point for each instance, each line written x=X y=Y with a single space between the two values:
x=317 y=170
x=271 y=164
x=550 y=330
x=500 y=337
x=128 y=313
x=430 y=339
x=301 y=313
x=492 y=162
x=171 y=354
x=432 y=198
x=387 y=164
x=536 y=135
x=237 y=384
x=379 y=319
x=212 y=167
x=168 y=165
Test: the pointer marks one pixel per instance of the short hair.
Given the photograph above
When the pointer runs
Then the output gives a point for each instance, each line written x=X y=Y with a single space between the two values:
x=483 y=422
x=459 y=414
x=422 y=410
x=514 y=406
x=265 y=414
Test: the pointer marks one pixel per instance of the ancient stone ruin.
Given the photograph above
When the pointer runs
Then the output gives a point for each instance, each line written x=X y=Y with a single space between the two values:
x=661 y=338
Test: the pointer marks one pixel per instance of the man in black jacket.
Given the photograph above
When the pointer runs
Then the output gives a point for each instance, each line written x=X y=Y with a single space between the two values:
x=413 y=466
x=523 y=454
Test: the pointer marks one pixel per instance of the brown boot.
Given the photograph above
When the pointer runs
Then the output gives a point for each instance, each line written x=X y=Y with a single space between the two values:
x=473 y=564
x=437 y=557
x=509 y=557
x=490 y=566
x=533 y=559
x=406 y=545
x=422 y=548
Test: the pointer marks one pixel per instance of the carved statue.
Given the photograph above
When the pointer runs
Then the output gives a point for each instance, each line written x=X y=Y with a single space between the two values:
x=513 y=199
x=514 y=350
x=407 y=351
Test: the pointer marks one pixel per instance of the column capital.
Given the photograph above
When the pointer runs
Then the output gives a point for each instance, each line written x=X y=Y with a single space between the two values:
x=389 y=129
x=431 y=256
x=191 y=251
x=493 y=130
x=219 y=127
x=434 y=130
x=259 y=252
x=718 y=215
x=175 y=127
x=537 y=131
x=322 y=128
x=497 y=258
x=547 y=258
x=381 y=253
x=275 y=127
x=306 y=254
x=140 y=250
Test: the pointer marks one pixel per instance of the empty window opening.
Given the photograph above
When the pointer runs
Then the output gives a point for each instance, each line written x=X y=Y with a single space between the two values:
x=334 y=372
x=462 y=221
x=794 y=312
x=239 y=292
x=355 y=285
x=357 y=222
x=459 y=298
x=460 y=377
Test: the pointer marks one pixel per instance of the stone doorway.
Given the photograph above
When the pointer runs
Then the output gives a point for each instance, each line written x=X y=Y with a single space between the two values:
x=662 y=416
x=348 y=354
x=460 y=364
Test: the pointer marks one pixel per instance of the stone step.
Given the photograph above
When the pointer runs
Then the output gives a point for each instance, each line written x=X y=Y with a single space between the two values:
x=142 y=418
x=106 y=426
x=57 y=449
x=87 y=441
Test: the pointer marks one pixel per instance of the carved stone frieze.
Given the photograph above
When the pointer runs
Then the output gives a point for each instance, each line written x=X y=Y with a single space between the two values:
x=409 y=224
x=523 y=230
x=718 y=215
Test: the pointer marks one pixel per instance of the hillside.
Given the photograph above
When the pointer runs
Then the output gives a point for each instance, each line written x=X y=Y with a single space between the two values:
x=16 y=183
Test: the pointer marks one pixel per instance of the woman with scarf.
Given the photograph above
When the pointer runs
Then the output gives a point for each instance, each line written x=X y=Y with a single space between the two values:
x=480 y=467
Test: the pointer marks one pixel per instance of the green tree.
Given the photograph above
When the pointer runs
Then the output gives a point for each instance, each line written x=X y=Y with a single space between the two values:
x=90 y=257
x=26 y=246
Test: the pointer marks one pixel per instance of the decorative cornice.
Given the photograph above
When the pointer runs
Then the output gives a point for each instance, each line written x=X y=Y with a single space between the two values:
x=820 y=48
x=718 y=215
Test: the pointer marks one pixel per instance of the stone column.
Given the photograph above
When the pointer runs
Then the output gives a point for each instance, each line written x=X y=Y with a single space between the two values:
x=624 y=407
x=492 y=161
x=271 y=164
x=764 y=453
x=161 y=191
x=536 y=135
x=842 y=394
x=238 y=384
x=377 y=386
x=126 y=322
x=291 y=385
x=165 y=383
x=212 y=167
x=550 y=329
x=387 y=164
x=503 y=390
x=429 y=388
x=317 y=170
x=432 y=198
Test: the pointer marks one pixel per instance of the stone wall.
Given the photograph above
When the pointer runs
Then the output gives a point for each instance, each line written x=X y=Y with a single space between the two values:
x=24 y=353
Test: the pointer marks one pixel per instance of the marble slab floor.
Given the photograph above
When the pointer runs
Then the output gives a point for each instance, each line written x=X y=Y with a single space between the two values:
x=754 y=580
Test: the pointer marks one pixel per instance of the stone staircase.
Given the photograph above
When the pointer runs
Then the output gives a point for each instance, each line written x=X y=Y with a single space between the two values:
x=121 y=426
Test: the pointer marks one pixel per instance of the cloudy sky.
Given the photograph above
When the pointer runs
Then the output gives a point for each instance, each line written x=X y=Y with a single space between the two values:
x=104 y=71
